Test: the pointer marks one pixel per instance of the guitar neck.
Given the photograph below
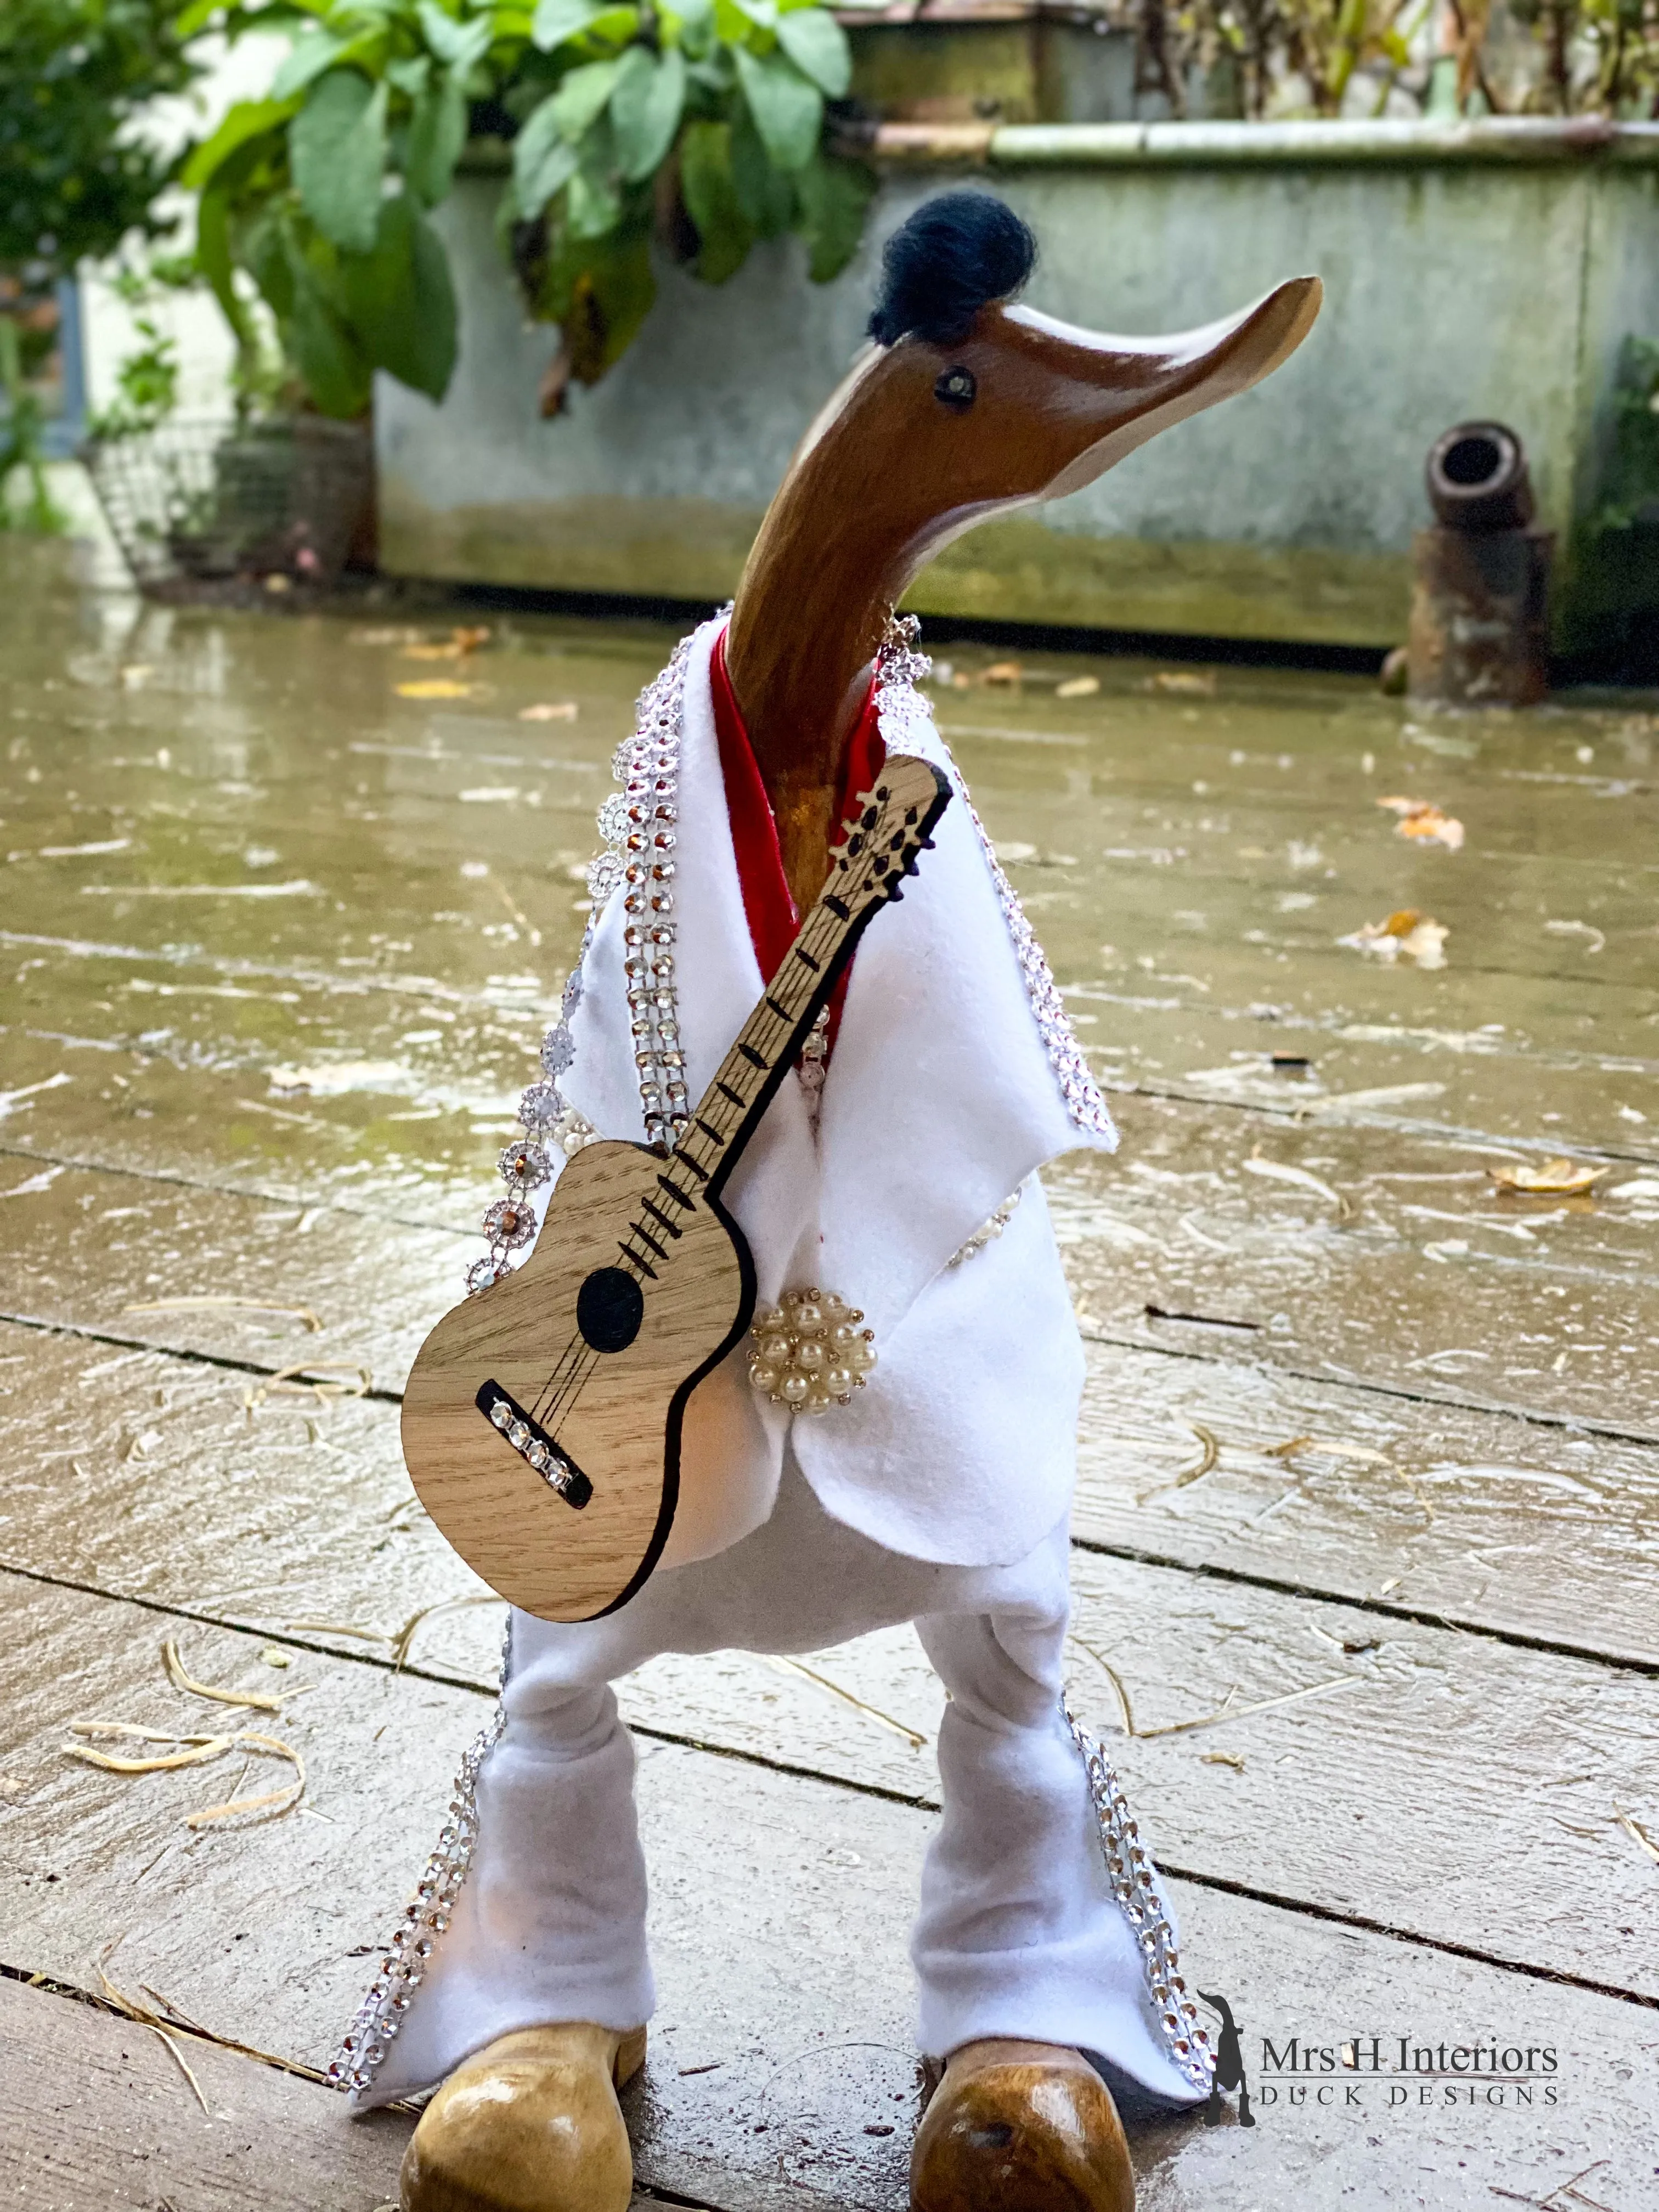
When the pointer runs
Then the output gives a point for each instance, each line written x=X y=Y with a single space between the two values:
x=893 y=825
x=770 y=1043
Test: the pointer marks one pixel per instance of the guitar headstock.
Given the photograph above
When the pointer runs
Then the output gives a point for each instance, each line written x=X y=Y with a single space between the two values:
x=896 y=821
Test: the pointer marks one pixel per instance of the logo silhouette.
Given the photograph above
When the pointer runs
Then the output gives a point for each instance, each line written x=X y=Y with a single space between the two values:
x=1229 y=2068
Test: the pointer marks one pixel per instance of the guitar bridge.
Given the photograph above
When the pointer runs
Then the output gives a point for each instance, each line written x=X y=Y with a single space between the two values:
x=533 y=1445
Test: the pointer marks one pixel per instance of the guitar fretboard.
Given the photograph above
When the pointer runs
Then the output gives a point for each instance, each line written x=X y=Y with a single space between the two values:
x=892 y=827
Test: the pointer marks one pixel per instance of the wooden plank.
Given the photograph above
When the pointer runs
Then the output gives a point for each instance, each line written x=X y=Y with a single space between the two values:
x=233 y=1277
x=776 y=2051
x=1518 y=1761
x=96 y=2116
x=1408 y=1501
x=1394 y=1264
x=1140 y=805
x=1390 y=1263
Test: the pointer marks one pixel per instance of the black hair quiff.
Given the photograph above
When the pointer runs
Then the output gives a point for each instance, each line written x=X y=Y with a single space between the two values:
x=957 y=253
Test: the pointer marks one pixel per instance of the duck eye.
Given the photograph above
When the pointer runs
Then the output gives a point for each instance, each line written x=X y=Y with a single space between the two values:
x=955 y=389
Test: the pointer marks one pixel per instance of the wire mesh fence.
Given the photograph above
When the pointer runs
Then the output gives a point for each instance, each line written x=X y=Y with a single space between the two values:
x=204 y=502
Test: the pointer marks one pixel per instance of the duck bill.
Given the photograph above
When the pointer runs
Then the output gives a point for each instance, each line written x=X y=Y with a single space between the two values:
x=1127 y=390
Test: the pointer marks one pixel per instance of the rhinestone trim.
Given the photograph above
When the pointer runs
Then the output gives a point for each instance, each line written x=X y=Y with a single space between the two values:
x=378 y=2018
x=638 y=827
x=645 y=817
x=903 y=718
x=1135 y=1887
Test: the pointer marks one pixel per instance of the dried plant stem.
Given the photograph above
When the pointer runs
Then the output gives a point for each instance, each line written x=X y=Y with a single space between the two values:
x=304 y=1315
x=308 y=1380
x=1209 y=1453
x=284 y=1799
x=256 y=1700
x=912 y=1736
x=199 y=1751
x=1226 y=1710
x=402 y=1642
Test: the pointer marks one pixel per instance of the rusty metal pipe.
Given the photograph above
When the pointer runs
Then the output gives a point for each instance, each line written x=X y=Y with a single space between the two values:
x=1480 y=627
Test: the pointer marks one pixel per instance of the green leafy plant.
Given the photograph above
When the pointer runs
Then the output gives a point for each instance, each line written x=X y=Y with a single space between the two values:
x=147 y=377
x=76 y=180
x=703 y=129
x=22 y=435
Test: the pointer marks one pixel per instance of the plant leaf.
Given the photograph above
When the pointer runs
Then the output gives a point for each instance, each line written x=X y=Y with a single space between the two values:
x=399 y=300
x=437 y=133
x=460 y=44
x=555 y=20
x=608 y=288
x=197 y=17
x=312 y=52
x=724 y=232
x=543 y=162
x=335 y=374
x=593 y=203
x=788 y=110
x=691 y=25
x=247 y=120
x=646 y=105
x=213 y=255
x=265 y=256
x=835 y=199
x=766 y=194
x=337 y=144
x=817 y=45
x=581 y=97
x=410 y=76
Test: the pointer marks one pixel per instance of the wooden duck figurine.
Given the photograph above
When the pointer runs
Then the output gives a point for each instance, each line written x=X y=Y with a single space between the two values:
x=965 y=407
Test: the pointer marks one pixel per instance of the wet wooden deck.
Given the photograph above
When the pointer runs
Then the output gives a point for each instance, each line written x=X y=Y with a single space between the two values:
x=1367 y=1518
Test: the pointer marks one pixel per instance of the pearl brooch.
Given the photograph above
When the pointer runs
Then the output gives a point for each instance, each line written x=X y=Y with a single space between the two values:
x=808 y=1353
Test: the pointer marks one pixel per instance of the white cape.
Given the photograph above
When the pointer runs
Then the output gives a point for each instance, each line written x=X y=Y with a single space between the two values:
x=940 y=1101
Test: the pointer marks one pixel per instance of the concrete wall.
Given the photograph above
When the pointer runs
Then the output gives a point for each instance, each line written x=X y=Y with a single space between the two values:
x=1484 y=269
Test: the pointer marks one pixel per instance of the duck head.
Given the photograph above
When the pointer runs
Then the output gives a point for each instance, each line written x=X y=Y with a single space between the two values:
x=964 y=407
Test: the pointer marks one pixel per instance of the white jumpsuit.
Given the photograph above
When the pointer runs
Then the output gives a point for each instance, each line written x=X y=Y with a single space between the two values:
x=940 y=1495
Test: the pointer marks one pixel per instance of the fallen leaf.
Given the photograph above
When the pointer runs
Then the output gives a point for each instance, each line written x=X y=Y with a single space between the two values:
x=549 y=710
x=1077 y=687
x=1421 y=819
x=1421 y=938
x=1222 y=1758
x=436 y=687
x=1002 y=671
x=1555 y=1179
x=456 y=646
x=1184 y=683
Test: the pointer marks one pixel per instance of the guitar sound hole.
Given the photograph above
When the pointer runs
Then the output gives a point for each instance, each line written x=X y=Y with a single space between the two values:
x=609 y=1307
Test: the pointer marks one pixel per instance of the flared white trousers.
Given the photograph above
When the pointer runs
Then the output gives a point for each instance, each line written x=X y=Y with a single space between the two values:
x=1018 y=1932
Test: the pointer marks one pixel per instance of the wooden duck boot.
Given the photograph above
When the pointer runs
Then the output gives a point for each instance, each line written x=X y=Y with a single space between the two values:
x=1020 y=2127
x=530 y=2124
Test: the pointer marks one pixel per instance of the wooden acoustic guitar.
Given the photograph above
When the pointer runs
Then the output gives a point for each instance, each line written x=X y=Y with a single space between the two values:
x=541 y=1423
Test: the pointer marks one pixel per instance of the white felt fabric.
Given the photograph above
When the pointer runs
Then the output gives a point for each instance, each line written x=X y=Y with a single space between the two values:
x=939 y=1102
x=1018 y=1932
